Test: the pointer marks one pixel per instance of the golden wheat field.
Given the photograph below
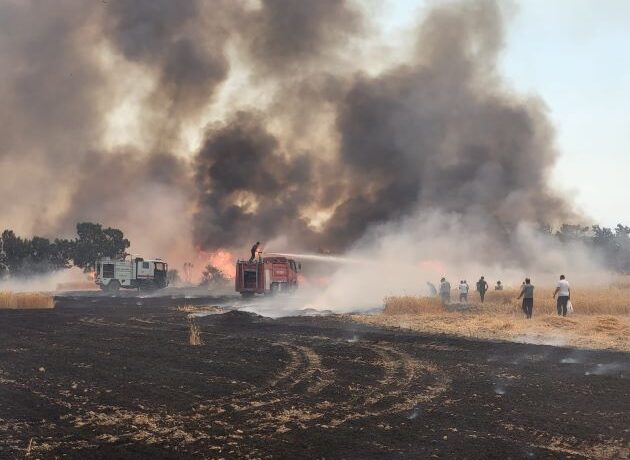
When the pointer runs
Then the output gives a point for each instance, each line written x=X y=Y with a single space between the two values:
x=601 y=317
x=25 y=300
x=611 y=300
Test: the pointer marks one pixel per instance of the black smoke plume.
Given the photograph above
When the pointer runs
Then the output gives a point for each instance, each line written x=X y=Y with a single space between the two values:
x=440 y=131
x=260 y=121
x=247 y=186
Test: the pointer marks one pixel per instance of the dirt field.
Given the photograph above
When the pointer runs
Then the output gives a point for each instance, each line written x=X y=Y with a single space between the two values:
x=117 y=378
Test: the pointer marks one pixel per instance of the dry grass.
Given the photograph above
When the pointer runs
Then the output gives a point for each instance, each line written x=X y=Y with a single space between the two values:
x=622 y=282
x=601 y=318
x=77 y=286
x=612 y=300
x=412 y=305
x=585 y=331
x=25 y=300
x=199 y=309
x=195 y=332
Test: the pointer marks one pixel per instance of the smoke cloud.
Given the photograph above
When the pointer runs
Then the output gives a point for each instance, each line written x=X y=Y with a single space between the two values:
x=247 y=187
x=286 y=36
x=399 y=257
x=439 y=131
x=210 y=125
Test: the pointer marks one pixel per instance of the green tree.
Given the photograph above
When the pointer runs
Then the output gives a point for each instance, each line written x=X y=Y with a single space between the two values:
x=24 y=257
x=570 y=232
x=95 y=242
x=4 y=269
x=622 y=231
x=15 y=251
x=622 y=248
x=213 y=276
x=173 y=277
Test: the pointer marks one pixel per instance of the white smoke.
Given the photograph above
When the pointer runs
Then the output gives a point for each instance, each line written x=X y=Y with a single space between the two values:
x=403 y=256
x=71 y=279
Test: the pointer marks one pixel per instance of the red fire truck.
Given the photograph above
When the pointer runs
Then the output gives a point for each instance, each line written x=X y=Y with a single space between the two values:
x=266 y=275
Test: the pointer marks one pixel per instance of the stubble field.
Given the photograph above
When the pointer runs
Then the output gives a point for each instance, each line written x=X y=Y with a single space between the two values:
x=129 y=378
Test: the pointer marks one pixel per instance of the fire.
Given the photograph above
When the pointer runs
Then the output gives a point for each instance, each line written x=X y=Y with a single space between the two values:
x=433 y=266
x=222 y=259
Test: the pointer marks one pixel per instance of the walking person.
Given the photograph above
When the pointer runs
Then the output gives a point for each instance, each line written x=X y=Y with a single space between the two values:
x=463 y=291
x=482 y=288
x=563 y=291
x=445 y=291
x=527 y=293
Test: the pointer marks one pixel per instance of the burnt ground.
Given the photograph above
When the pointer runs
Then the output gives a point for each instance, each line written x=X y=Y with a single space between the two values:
x=106 y=378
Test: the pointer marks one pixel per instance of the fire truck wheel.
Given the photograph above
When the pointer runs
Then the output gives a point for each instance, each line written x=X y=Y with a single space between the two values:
x=113 y=286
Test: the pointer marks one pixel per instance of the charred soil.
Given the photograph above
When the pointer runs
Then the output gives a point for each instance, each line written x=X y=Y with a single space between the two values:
x=110 y=379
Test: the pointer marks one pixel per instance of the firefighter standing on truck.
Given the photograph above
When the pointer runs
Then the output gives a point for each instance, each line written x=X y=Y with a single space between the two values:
x=254 y=250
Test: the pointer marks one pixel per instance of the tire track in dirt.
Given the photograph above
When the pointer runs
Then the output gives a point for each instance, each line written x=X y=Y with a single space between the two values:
x=279 y=398
x=407 y=382
x=293 y=388
x=101 y=322
x=304 y=368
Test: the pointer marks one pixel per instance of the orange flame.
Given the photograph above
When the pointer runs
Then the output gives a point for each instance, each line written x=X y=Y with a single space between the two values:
x=433 y=266
x=222 y=259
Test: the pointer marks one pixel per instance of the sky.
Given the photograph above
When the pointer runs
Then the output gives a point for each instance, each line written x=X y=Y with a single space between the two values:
x=574 y=55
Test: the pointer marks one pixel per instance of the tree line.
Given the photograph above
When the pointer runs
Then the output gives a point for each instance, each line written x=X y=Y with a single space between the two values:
x=613 y=244
x=23 y=257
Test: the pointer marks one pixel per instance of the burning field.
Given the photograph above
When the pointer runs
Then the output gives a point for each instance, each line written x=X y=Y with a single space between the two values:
x=178 y=133
x=147 y=378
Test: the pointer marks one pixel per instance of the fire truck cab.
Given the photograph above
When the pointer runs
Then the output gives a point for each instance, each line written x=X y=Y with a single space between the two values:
x=268 y=275
x=132 y=273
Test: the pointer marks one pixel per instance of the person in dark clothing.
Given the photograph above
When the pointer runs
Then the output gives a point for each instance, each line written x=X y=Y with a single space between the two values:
x=445 y=291
x=527 y=293
x=482 y=288
x=254 y=250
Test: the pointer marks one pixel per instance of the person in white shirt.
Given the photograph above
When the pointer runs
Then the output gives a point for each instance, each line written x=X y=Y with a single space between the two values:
x=563 y=291
x=463 y=291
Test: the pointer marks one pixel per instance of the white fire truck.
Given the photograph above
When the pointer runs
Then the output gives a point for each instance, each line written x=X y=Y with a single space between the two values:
x=132 y=273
